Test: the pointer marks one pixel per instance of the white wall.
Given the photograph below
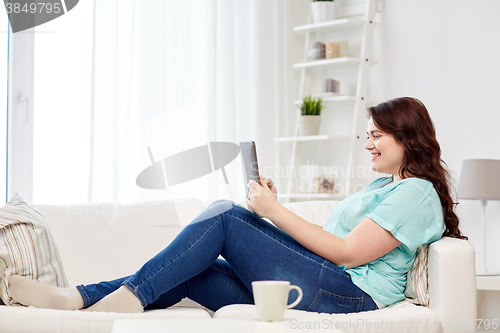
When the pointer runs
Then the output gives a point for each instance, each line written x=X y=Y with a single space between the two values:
x=446 y=54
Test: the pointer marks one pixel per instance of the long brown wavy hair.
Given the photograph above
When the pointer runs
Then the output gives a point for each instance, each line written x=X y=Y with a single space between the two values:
x=408 y=120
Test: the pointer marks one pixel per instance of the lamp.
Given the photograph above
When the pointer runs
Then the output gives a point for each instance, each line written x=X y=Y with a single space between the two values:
x=480 y=180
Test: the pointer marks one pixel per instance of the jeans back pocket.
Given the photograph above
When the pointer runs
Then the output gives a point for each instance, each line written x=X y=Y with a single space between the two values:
x=328 y=302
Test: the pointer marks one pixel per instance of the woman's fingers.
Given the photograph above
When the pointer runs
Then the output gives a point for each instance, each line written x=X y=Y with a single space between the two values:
x=270 y=184
x=267 y=186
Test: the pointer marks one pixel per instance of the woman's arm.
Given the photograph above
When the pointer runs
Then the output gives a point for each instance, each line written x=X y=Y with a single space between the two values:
x=366 y=242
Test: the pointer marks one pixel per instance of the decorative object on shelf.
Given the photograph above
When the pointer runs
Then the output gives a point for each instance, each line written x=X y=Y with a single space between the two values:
x=309 y=125
x=338 y=49
x=331 y=86
x=315 y=179
x=332 y=50
x=310 y=116
x=307 y=175
x=322 y=11
x=325 y=185
x=343 y=48
x=317 y=51
x=480 y=180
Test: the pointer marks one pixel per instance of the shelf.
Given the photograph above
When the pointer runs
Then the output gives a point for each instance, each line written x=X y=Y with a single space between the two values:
x=329 y=196
x=330 y=26
x=338 y=99
x=333 y=99
x=488 y=282
x=335 y=62
x=313 y=138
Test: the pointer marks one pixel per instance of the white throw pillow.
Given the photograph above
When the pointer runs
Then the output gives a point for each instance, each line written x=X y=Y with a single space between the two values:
x=27 y=248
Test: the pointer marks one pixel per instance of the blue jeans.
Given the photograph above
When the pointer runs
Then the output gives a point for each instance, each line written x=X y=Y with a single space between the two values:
x=253 y=249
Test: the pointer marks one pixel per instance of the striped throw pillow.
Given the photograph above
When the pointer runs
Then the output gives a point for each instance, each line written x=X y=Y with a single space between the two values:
x=416 y=280
x=416 y=292
x=27 y=248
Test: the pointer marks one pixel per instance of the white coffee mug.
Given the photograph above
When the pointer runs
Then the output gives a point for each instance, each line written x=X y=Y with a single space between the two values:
x=271 y=298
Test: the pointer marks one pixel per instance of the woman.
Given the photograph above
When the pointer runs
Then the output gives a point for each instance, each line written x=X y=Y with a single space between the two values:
x=357 y=262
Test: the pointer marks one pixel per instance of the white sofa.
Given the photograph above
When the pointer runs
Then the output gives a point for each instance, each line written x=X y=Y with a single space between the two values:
x=105 y=241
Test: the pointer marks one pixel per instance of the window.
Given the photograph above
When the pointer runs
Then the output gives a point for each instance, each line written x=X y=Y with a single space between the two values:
x=105 y=70
x=62 y=104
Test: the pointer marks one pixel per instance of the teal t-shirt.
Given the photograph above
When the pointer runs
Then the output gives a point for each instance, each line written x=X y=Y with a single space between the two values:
x=410 y=209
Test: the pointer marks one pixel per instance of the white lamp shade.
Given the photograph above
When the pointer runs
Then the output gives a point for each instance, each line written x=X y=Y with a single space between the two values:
x=480 y=179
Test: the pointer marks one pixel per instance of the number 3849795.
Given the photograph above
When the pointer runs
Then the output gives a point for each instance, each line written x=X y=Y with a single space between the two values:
x=33 y=8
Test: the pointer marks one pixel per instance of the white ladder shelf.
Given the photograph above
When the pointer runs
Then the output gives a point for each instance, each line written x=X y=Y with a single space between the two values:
x=358 y=100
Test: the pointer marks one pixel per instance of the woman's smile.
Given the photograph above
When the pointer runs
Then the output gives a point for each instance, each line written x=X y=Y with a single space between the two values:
x=374 y=155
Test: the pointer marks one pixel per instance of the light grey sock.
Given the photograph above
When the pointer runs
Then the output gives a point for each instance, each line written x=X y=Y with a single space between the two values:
x=31 y=292
x=122 y=300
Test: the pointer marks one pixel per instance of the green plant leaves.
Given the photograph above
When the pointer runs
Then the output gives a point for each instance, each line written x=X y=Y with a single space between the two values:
x=311 y=106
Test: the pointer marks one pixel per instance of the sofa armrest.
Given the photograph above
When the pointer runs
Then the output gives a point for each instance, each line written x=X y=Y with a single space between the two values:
x=452 y=284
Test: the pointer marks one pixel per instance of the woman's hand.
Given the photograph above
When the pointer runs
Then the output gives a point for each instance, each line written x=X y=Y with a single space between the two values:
x=262 y=198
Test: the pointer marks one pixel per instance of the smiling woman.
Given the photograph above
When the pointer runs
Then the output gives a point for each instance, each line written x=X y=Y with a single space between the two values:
x=411 y=131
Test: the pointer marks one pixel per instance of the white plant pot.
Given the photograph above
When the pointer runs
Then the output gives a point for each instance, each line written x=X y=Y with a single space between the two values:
x=322 y=11
x=309 y=125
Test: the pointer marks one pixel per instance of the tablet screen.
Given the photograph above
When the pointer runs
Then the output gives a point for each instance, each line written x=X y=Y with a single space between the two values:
x=249 y=163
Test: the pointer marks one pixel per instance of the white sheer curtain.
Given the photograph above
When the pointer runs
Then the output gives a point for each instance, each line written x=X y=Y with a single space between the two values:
x=175 y=74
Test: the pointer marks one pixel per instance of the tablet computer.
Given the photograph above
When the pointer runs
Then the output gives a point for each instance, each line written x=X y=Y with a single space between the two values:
x=249 y=163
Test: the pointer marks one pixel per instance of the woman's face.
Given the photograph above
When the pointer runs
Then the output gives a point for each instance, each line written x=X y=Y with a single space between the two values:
x=387 y=154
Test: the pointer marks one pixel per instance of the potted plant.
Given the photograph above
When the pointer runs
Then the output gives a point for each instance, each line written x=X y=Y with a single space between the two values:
x=322 y=11
x=310 y=115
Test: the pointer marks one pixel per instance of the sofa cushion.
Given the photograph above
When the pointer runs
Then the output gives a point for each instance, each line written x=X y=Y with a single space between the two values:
x=105 y=241
x=50 y=321
x=27 y=247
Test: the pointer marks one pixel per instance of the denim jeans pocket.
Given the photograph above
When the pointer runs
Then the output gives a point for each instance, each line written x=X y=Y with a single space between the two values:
x=328 y=302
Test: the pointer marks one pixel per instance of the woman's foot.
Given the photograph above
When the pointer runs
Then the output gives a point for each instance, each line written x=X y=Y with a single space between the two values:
x=31 y=292
x=123 y=300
